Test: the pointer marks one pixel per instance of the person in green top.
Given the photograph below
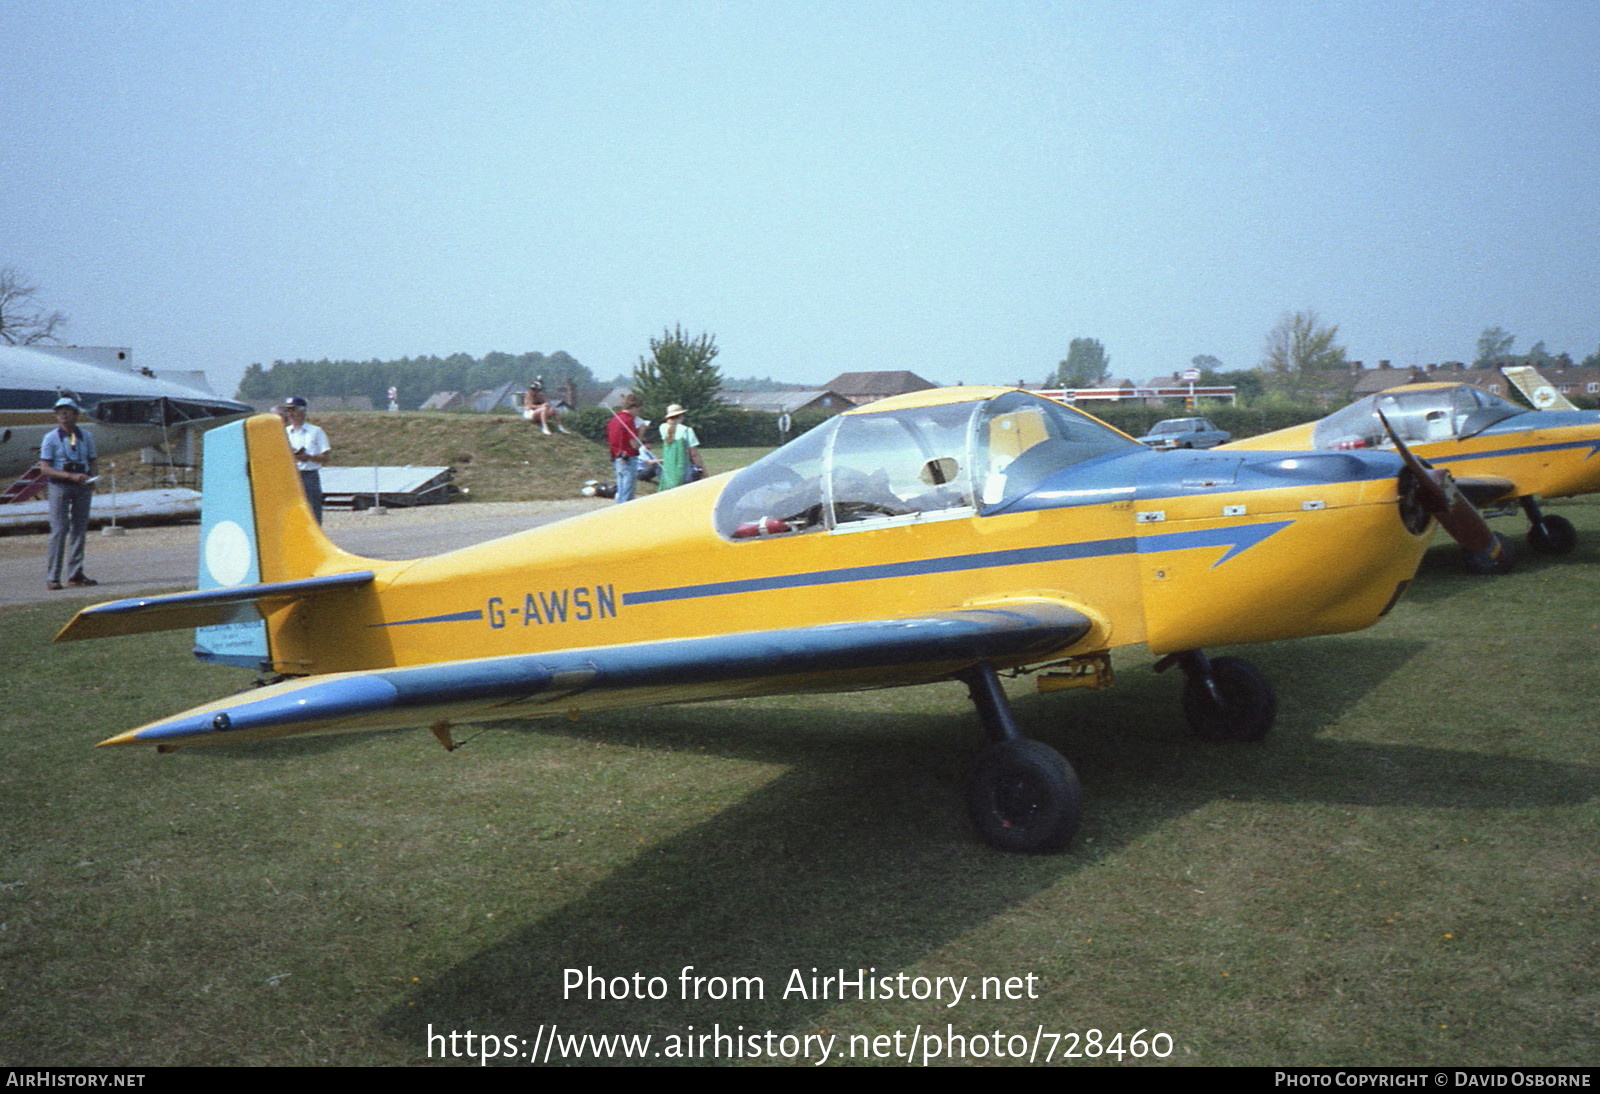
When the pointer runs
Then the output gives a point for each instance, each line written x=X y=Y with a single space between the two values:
x=680 y=451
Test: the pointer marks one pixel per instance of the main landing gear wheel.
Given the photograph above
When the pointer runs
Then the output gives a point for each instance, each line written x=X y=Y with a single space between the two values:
x=1496 y=560
x=1237 y=704
x=1552 y=536
x=1025 y=797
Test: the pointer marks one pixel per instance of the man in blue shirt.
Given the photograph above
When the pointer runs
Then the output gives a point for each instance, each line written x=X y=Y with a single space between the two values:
x=66 y=458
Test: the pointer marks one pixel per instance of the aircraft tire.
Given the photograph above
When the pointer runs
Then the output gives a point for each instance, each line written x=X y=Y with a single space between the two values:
x=1249 y=705
x=1481 y=563
x=1553 y=536
x=1024 y=797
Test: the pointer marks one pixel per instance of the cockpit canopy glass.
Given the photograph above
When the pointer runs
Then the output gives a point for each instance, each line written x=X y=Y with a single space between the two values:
x=1426 y=414
x=910 y=464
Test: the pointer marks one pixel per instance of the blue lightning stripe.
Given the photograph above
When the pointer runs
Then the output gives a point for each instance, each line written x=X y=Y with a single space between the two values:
x=1018 y=556
x=1522 y=450
x=1236 y=539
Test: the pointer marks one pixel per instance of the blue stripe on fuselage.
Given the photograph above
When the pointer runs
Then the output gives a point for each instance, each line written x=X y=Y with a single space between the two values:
x=1236 y=538
x=1520 y=450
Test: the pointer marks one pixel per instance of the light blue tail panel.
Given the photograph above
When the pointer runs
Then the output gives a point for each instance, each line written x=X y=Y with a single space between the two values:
x=228 y=552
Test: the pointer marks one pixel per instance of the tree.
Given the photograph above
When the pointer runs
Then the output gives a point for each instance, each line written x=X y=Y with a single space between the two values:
x=679 y=370
x=23 y=322
x=1301 y=344
x=1538 y=354
x=1086 y=365
x=1494 y=345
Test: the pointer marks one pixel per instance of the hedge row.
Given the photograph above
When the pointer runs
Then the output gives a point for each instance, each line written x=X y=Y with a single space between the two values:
x=1238 y=420
x=723 y=427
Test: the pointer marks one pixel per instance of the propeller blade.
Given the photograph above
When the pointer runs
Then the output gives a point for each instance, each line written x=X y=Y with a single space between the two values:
x=1451 y=508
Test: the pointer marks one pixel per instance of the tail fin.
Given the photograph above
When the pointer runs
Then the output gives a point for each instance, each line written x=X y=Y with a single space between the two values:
x=256 y=529
x=261 y=552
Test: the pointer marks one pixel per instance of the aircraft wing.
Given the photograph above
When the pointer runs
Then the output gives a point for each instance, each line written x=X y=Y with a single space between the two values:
x=832 y=657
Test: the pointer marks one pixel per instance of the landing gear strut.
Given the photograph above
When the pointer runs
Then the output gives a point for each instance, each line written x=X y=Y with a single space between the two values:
x=1549 y=535
x=1024 y=795
x=1224 y=699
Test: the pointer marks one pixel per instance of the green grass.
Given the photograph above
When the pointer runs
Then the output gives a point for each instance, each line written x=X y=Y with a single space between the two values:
x=1404 y=873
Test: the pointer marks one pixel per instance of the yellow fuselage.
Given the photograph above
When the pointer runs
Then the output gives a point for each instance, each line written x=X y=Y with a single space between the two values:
x=1150 y=571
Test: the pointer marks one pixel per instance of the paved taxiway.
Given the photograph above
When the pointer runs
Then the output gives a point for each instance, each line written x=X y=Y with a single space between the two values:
x=150 y=558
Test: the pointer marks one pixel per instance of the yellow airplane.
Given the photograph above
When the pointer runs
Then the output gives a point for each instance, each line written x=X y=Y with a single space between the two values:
x=1499 y=451
x=949 y=534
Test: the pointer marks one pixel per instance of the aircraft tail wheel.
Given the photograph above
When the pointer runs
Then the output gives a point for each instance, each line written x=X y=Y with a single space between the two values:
x=1497 y=559
x=1024 y=797
x=1552 y=536
x=1239 y=704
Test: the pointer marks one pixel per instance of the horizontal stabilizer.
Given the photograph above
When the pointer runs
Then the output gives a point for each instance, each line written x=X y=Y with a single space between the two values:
x=206 y=608
x=841 y=656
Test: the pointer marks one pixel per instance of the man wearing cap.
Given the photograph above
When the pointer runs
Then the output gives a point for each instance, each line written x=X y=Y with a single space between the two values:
x=311 y=450
x=66 y=458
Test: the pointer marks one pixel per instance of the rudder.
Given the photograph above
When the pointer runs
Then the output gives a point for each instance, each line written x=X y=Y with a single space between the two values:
x=255 y=527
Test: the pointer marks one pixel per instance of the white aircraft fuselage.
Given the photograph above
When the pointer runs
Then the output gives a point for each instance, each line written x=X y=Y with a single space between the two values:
x=123 y=408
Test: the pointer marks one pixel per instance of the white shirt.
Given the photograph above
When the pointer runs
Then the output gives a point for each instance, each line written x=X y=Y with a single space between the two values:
x=312 y=439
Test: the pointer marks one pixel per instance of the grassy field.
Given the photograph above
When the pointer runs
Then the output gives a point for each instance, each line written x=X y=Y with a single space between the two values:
x=1404 y=873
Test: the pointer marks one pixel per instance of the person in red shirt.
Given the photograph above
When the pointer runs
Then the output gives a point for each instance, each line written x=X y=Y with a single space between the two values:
x=622 y=435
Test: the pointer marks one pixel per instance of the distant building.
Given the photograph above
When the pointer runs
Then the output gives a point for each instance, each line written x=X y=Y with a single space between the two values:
x=869 y=387
x=787 y=402
x=442 y=400
x=507 y=396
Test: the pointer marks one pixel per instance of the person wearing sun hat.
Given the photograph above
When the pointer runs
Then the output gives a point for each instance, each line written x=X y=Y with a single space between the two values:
x=680 y=451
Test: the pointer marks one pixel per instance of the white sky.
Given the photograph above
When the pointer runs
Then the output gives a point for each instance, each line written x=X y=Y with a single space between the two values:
x=955 y=188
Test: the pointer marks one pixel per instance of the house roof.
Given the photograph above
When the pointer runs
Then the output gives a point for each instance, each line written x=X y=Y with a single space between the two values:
x=784 y=402
x=494 y=397
x=878 y=384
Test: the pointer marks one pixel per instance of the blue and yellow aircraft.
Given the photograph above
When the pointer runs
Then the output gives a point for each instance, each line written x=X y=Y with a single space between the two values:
x=1499 y=452
x=949 y=534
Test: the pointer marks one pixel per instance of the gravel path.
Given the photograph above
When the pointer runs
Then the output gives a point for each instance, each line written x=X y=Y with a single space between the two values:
x=164 y=557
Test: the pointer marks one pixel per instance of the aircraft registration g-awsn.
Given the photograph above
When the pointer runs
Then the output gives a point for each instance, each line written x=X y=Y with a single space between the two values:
x=948 y=534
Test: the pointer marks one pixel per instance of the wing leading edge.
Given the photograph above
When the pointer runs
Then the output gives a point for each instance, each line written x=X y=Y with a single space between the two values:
x=842 y=656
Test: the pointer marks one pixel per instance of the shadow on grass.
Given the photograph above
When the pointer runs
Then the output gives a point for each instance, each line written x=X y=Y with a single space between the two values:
x=1443 y=575
x=858 y=857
